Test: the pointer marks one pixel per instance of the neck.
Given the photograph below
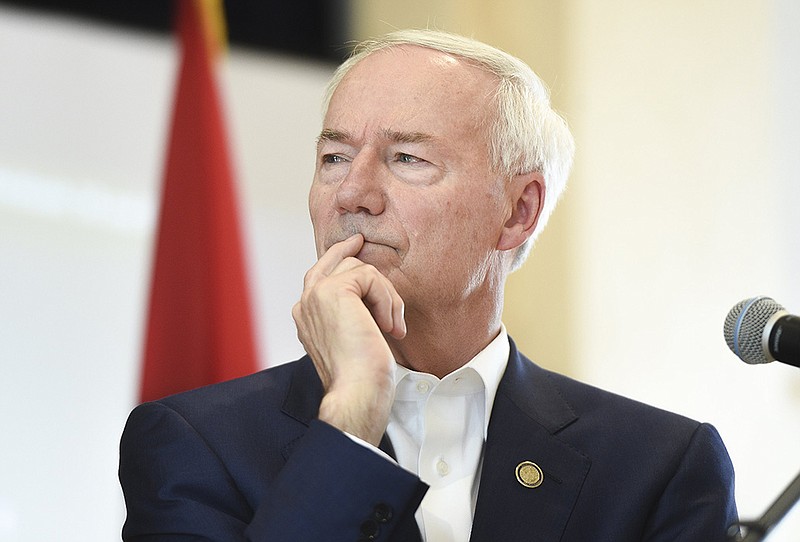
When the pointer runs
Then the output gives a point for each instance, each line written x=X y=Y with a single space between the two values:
x=439 y=342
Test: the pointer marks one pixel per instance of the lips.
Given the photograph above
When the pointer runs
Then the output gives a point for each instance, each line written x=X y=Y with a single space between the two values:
x=369 y=246
x=370 y=238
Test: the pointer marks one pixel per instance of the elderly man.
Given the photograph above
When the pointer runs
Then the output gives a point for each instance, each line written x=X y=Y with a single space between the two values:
x=413 y=416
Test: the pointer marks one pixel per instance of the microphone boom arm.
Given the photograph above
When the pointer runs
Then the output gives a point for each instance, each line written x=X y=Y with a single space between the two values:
x=757 y=530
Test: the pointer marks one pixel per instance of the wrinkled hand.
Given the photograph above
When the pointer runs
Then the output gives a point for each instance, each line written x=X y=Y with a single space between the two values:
x=345 y=308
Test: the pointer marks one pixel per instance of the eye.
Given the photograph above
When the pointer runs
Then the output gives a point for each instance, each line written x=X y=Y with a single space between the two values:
x=332 y=159
x=404 y=158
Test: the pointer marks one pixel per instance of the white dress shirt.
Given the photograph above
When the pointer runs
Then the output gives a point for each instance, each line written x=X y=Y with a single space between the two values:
x=438 y=429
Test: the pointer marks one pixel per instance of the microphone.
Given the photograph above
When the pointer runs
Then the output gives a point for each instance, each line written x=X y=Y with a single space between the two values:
x=759 y=330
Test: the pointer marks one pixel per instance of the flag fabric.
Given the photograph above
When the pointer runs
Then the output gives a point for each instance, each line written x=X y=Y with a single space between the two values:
x=199 y=328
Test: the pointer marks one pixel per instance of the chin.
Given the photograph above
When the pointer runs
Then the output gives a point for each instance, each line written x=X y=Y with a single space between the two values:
x=386 y=266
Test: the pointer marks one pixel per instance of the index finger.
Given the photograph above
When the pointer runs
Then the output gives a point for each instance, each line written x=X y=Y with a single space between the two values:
x=333 y=257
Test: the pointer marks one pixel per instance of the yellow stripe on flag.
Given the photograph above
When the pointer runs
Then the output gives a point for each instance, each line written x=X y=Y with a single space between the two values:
x=212 y=13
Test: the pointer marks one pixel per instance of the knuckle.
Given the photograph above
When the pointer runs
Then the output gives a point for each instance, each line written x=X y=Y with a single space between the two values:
x=310 y=277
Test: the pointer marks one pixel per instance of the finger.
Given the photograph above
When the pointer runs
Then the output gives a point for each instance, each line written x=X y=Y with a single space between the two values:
x=332 y=258
x=389 y=311
x=399 y=329
x=383 y=301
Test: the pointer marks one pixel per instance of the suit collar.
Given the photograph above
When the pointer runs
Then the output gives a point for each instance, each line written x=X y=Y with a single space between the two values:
x=525 y=384
x=529 y=413
x=529 y=387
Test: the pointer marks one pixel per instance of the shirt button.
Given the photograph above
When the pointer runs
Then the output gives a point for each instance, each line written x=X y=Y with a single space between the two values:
x=423 y=386
x=442 y=468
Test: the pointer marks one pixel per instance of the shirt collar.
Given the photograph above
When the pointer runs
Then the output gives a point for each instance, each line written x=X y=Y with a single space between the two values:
x=490 y=364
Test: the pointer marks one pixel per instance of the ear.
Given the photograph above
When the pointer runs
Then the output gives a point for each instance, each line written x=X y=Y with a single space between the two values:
x=527 y=199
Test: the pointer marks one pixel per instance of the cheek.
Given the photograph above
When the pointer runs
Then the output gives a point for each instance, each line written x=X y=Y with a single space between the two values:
x=321 y=212
x=319 y=201
x=421 y=219
x=434 y=231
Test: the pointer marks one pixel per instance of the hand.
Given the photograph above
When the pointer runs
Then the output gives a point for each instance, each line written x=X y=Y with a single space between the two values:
x=345 y=308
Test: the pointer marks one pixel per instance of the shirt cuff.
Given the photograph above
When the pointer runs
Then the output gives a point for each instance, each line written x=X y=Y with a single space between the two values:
x=369 y=446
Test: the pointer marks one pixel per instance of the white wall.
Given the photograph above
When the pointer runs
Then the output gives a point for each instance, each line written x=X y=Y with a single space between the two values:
x=83 y=121
x=686 y=201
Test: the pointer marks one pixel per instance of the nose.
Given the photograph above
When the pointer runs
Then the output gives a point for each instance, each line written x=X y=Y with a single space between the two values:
x=362 y=189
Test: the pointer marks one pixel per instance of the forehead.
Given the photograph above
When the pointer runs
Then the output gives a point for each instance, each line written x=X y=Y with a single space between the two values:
x=412 y=89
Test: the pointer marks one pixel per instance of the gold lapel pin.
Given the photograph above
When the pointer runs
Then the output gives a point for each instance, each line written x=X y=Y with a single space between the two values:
x=529 y=474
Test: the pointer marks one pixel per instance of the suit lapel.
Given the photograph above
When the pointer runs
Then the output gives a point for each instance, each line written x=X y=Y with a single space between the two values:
x=527 y=415
x=303 y=396
x=386 y=446
x=304 y=392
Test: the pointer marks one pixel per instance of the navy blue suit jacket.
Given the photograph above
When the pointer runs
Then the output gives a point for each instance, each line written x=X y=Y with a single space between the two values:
x=247 y=460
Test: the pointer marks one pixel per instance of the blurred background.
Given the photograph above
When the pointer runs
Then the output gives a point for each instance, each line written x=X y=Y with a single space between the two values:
x=683 y=200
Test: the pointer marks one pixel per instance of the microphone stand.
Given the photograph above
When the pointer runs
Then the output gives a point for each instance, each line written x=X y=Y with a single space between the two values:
x=758 y=529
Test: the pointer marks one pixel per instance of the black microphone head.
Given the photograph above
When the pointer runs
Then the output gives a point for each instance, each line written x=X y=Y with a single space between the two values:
x=744 y=328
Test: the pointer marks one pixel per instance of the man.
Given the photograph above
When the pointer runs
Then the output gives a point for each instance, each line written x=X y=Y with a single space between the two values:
x=413 y=416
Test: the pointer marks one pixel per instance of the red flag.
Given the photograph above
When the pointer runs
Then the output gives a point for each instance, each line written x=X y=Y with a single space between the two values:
x=199 y=328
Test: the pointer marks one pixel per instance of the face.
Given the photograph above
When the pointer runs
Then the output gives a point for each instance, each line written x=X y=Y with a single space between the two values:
x=403 y=158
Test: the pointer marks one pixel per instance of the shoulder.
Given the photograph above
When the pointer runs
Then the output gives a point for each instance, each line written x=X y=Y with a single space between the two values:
x=588 y=402
x=596 y=402
x=237 y=405
x=670 y=476
x=599 y=421
x=261 y=389
x=621 y=427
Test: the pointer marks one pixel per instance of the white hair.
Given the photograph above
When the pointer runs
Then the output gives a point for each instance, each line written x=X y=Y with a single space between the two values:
x=526 y=134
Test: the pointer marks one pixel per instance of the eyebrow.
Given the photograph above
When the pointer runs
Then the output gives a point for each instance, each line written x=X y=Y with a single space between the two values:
x=396 y=136
x=333 y=135
x=406 y=137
